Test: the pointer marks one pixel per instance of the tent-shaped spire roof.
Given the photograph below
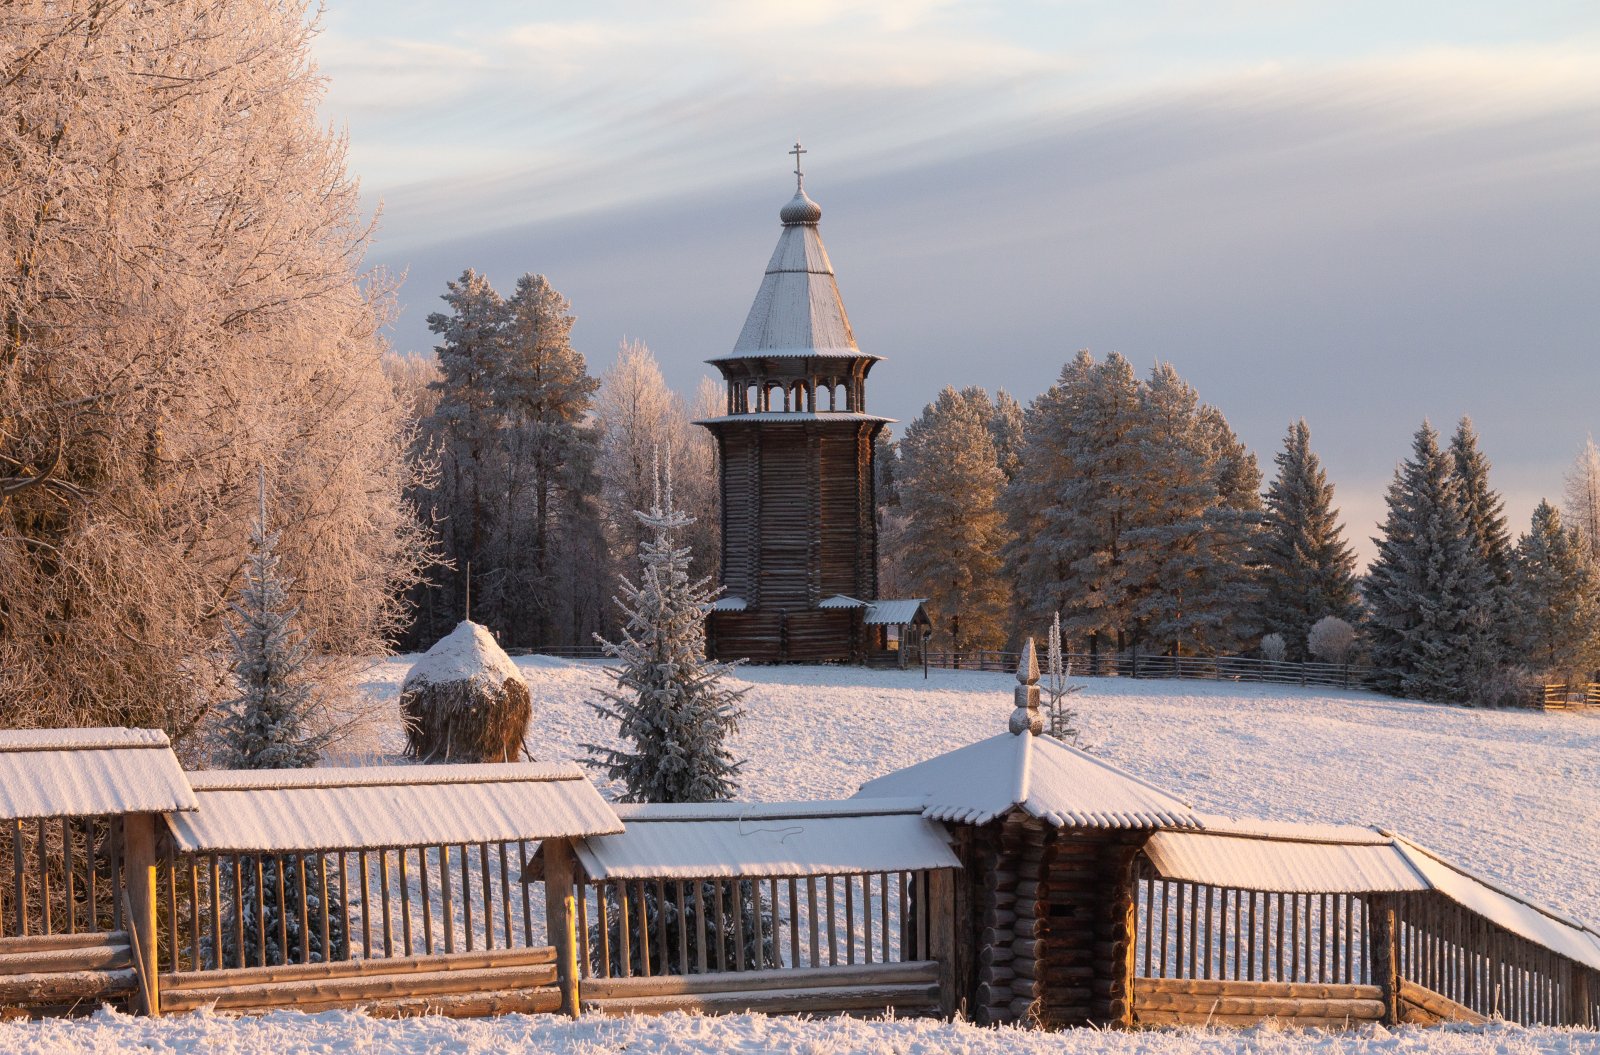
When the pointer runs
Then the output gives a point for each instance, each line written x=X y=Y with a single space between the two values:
x=1038 y=774
x=797 y=310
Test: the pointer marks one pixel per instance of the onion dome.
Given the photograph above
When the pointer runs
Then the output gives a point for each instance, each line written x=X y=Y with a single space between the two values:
x=800 y=209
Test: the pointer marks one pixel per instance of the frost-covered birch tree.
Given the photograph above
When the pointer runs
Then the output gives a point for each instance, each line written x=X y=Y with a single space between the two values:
x=1582 y=494
x=182 y=299
x=673 y=708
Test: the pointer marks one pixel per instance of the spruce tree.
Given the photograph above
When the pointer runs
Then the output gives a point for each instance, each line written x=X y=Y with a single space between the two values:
x=672 y=709
x=1307 y=569
x=273 y=724
x=1426 y=583
x=1005 y=427
x=1557 y=589
x=1483 y=515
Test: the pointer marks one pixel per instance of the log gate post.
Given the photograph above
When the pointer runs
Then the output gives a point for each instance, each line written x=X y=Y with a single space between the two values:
x=561 y=919
x=942 y=936
x=1383 y=950
x=139 y=875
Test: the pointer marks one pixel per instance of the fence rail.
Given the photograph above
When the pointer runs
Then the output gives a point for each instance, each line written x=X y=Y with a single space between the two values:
x=1201 y=668
x=1562 y=696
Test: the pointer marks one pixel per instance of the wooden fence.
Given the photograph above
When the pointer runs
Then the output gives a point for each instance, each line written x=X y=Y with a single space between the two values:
x=1200 y=668
x=805 y=943
x=439 y=928
x=1565 y=696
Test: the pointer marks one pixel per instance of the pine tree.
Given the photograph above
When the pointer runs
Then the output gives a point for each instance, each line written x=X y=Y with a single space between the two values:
x=1006 y=428
x=1307 y=569
x=272 y=724
x=1426 y=583
x=949 y=488
x=1557 y=589
x=673 y=711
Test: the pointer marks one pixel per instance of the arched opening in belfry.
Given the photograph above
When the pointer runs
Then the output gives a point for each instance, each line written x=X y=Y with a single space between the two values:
x=752 y=398
x=797 y=397
x=777 y=398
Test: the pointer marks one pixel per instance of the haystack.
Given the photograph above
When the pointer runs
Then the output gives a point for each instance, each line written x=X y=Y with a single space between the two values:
x=465 y=701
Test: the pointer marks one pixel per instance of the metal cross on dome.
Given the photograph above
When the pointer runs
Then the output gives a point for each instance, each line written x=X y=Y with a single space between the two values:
x=799 y=177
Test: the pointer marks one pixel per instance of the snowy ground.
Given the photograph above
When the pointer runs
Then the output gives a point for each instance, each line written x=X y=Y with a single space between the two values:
x=347 y=1033
x=1513 y=795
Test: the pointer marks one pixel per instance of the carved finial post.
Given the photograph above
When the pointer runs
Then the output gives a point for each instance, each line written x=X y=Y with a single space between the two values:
x=1025 y=718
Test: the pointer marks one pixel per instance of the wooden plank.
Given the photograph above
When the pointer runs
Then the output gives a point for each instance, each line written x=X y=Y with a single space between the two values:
x=83 y=958
x=139 y=865
x=1263 y=990
x=561 y=918
x=454 y=1005
x=60 y=987
x=782 y=1001
x=912 y=972
x=1260 y=1007
x=1437 y=1005
x=189 y=981
x=351 y=990
x=61 y=942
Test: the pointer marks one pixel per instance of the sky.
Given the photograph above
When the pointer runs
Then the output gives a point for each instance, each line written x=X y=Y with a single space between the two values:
x=1360 y=213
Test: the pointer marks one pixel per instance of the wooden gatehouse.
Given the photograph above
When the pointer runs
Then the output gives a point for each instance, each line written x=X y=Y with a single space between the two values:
x=795 y=446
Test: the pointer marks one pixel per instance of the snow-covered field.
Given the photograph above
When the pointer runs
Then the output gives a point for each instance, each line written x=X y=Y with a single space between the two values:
x=1512 y=795
x=348 y=1033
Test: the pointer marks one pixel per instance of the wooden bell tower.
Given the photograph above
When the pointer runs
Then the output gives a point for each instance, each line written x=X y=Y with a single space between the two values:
x=799 y=533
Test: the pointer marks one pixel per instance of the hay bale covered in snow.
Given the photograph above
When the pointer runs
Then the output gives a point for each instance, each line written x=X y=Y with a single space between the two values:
x=465 y=701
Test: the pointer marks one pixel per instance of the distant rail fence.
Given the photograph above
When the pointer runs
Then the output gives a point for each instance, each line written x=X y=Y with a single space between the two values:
x=1570 y=696
x=1198 y=668
x=561 y=651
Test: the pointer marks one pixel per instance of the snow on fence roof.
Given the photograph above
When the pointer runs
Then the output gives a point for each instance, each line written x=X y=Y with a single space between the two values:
x=729 y=604
x=1282 y=865
x=280 y=810
x=840 y=600
x=89 y=772
x=1516 y=914
x=1060 y=785
x=729 y=839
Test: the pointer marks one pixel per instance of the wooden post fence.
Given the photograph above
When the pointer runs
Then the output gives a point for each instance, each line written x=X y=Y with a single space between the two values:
x=561 y=919
x=139 y=868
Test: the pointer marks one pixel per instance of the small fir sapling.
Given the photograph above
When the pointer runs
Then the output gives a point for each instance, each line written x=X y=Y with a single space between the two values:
x=1058 y=669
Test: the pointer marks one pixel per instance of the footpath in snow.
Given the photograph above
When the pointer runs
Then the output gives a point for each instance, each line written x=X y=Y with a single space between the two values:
x=349 y=1033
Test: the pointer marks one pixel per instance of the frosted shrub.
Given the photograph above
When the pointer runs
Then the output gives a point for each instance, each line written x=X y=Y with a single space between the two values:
x=1331 y=639
x=1274 y=648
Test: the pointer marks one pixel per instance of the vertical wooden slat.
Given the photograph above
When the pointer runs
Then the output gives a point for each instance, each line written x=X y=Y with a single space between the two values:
x=812 y=928
x=305 y=910
x=833 y=923
x=366 y=905
x=466 y=899
x=883 y=884
x=194 y=914
x=172 y=916
x=1179 y=945
x=19 y=881
x=427 y=899
x=1210 y=942
x=663 y=950
x=91 y=845
x=738 y=924
x=527 y=902
x=139 y=872
x=624 y=938
x=722 y=945
x=794 y=924
x=69 y=884
x=505 y=896
x=488 y=897
x=283 y=911
x=447 y=901
x=239 y=910
x=922 y=910
x=900 y=882
x=1166 y=904
x=683 y=928
x=849 y=921
x=322 y=900
x=584 y=962
x=405 y=902
x=758 y=925
x=388 y=914
x=777 y=923
x=44 y=888
x=700 y=926
x=644 y=928
x=602 y=908
x=560 y=876
x=1280 y=972
x=214 y=877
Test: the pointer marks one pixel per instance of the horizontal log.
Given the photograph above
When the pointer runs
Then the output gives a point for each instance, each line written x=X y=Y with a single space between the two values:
x=916 y=971
x=996 y=954
x=1024 y=1010
x=1028 y=948
x=458 y=1005
x=57 y=942
x=392 y=965
x=62 y=987
x=1182 y=1018
x=1286 y=990
x=1438 y=1005
x=1259 y=1007
x=819 y=1000
x=993 y=994
x=346 y=992
x=1068 y=994
x=81 y=958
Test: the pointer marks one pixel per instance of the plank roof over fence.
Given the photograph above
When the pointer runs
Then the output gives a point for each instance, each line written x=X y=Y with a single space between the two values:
x=89 y=772
x=285 y=810
x=1045 y=778
x=1319 y=859
x=758 y=840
